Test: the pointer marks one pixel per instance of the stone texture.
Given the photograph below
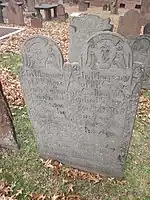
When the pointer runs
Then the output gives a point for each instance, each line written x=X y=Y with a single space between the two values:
x=61 y=12
x=130 y=24
x=82 y=113
x=146 y=29
x=141 y=52
x=81 y=28
x=14 y=13
x=145 y=9
x=7 y=132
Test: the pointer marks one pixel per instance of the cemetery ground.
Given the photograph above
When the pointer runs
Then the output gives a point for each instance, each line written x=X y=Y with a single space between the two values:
x=24 y=175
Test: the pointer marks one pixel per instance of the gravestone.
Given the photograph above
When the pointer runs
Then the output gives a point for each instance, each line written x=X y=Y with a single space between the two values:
x=130 y=24
x=141 y=52
x=81 y=28
x=7 y=132
x=31 y=5
x=145 y=9
x=61 y=12
x=146 y=29
x=82 y=113
x=15 y=13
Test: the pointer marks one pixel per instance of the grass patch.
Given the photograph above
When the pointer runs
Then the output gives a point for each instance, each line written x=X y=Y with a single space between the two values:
x=25 y=169
x=11 y=61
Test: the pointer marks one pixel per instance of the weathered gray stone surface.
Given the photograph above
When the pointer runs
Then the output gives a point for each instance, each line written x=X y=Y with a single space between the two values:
x=141 y=52
x=81 y=28
x=7 y=131
x=83 y=114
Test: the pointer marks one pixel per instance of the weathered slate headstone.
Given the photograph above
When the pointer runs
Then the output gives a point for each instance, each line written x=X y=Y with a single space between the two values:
x=7 y=132
x=81 y=28
x=15 y=13
x=130 y=24
x=146 y=29
x=141 y=52
x=83 y=114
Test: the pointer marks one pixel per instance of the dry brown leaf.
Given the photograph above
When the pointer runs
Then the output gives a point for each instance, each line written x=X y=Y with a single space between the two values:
x=4 y=188
x=58 y=197
x=73 y=197
x=70 y=188
x=37 y=196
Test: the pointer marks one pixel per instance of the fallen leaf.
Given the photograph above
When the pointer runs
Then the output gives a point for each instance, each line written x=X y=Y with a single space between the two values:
x=37 y=196
x=73 y=197
x=70 y=188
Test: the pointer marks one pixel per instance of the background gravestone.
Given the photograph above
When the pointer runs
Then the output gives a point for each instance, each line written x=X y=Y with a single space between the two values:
x=7 y=132
x=83 y=114
x=145 y=9
x=141 y=52
x=81 y=29
x=14 y=13
x=146 y=29
x=61 y=12
x=130 y=24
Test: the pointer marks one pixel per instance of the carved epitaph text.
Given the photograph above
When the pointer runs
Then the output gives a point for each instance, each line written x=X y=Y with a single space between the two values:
x=82 y=113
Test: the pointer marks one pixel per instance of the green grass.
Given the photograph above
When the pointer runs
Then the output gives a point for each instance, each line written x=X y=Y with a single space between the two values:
x=25 y=170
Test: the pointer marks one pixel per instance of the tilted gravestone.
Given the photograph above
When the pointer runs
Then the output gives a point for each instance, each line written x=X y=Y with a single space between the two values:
x=7 y=132
x=130 y=24
x=83 y=113
x=141 y=52
x=81 y=28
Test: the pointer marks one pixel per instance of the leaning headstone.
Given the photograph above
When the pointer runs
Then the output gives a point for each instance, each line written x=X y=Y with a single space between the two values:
x=130 y=24
x=82 y=113
x=146 y=29
x=15 y=13
x=141 y=52
x=7 y=132
x=81 y=28
x=61 y=12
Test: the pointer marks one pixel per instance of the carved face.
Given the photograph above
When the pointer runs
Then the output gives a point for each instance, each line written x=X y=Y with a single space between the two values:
x=105 y=53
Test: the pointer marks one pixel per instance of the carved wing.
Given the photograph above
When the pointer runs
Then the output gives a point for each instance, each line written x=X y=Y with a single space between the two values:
x=141 y=53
